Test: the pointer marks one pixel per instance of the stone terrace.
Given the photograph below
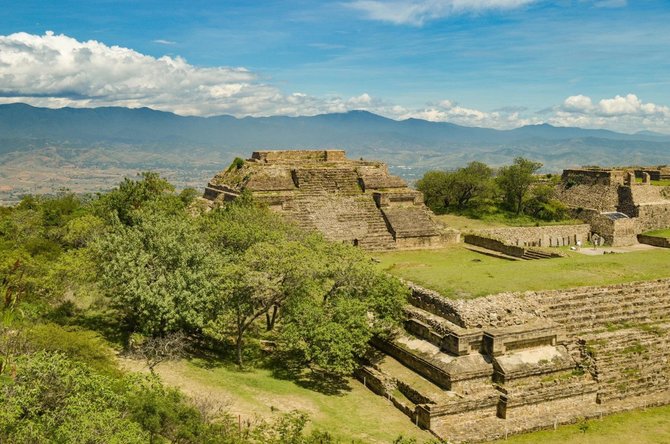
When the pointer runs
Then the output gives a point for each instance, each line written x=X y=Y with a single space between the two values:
x=514 y=362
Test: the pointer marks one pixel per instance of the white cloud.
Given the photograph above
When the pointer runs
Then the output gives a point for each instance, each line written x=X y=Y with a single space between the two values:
x=578 y=103
x=417 y=12
x=56 y=71
x=164 y=42
x=621 y=113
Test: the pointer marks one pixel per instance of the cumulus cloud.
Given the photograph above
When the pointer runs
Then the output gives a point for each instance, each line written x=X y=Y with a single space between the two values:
x=621 y=113
x=450 y=111
x=417 y=12
x=56 y=70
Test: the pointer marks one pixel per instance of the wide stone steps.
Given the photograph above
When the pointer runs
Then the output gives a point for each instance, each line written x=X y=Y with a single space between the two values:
x=353 y=219
x=328 y=179
x=536 y=254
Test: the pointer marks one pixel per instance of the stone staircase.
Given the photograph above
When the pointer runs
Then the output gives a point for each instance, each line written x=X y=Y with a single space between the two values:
x=341 y=180
x=536 y=254
x=590 y=309
x=629 y=362
x=352 y=218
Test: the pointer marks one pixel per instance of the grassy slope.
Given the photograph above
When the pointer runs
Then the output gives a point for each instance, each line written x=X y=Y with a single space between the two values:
x=458 y=272
x=659 y=233
x=355 y=414
x=651 y=426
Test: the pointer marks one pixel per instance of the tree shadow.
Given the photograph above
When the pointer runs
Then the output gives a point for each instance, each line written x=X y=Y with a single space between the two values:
x=104 y=322
x=287 y=367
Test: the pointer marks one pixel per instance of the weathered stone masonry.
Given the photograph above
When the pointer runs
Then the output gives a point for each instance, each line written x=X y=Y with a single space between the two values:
x=351 y=201
x=481 y=369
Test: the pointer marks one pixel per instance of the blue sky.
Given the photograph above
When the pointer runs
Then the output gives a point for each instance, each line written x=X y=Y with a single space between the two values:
x=499 y=63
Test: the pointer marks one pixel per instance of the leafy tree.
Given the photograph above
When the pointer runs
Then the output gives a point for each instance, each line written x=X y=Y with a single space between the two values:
x=260 y=281
x=51 y=399
x=238 y=225
x=435 y=186
x=470 y=182
x=458 y=188
x=159 y=274
x=123 y=202
x=515 y=181
x=330 y=327
x=543 y=205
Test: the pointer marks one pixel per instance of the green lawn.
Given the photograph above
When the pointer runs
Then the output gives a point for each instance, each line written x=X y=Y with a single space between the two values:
x=658 y=183
x=354 y=414
x=651 y=426
x=464 y=223
x=659 y=233
x=458 y=272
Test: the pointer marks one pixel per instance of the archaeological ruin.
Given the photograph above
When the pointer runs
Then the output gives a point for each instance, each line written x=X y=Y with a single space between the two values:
x=353 y=201
x=482 y=369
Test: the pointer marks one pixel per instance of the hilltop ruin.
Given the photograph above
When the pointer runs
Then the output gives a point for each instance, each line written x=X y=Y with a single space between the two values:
x=353 y=201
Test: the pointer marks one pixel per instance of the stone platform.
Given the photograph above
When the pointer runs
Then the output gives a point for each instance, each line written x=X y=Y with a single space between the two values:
x=483 y=369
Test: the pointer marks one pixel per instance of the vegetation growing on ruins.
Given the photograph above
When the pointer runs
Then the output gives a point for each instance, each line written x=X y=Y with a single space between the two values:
x=456 y=271
x=513 y=193
x=143 y=267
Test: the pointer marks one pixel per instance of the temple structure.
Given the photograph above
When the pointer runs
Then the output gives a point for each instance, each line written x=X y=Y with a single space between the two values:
x=353 y=201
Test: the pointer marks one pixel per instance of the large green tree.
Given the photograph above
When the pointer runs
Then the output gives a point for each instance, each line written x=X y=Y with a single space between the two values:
x=458 y=188
x=159 y=274
x=516 y=181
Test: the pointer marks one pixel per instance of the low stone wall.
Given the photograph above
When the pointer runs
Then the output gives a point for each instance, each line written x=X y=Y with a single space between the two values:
x=546 y=236
x=662 y=242
x=494 y=244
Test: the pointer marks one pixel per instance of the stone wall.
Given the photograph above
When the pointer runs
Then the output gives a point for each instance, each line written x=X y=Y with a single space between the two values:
x=598 y=196
x=653 y=217
x=616 y=232
x=546 y=236
x=592 y=177
x=662 y=242
x=494 y=244
x=299 y=155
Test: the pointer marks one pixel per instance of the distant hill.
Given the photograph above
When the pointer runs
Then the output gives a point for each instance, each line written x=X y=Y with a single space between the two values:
x=136 y=139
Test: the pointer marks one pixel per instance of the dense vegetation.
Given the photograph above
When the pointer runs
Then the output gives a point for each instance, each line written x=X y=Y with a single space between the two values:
x=513 y=192
x=149 y=272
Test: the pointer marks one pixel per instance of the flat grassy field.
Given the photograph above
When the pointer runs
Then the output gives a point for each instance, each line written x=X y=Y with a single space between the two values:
x=351 y=413
x=650 y=426
x=464 y=223
x=659 y=233
x=460 y=273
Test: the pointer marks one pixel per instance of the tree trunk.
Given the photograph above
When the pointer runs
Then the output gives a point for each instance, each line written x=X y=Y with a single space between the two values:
x=239 y=348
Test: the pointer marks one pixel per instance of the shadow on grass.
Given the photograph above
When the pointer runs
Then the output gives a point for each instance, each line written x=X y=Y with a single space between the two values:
x=287 y=367
x=104 y=322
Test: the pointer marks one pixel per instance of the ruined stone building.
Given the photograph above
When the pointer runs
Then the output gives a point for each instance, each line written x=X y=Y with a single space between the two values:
x=352 y=201
x=615 y=204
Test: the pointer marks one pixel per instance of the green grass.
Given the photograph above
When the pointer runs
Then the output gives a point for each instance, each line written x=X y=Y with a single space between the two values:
x=650 y=426
x=458 y=272
x=495 y=220
x=659 y=233
x=354 y=414
x=658 y=183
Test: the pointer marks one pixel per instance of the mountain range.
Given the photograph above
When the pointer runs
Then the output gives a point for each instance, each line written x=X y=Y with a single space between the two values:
x=113 y=139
